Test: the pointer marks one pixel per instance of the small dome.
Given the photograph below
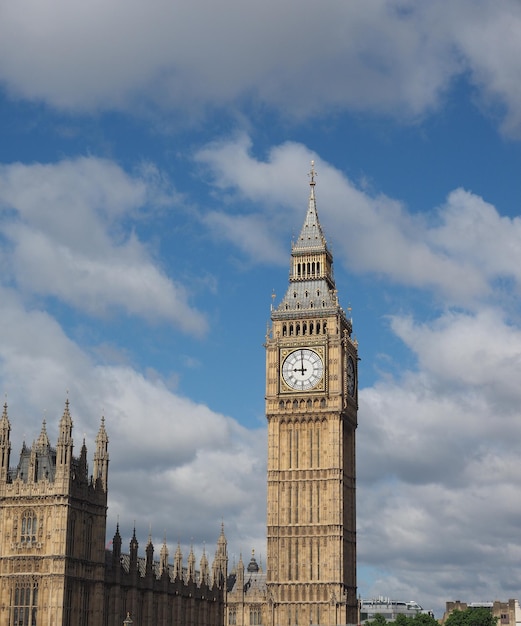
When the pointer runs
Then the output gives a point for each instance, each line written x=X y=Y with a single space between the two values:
x=253 y=566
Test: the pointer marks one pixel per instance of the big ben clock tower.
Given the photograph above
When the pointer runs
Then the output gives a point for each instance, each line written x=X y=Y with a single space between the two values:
x=311 y=408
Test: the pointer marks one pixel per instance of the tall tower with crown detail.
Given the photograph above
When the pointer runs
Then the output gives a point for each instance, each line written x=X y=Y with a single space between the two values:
x=311 y=408
x=52 y=530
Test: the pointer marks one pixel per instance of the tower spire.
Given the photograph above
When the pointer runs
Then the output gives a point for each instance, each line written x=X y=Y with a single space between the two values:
x=5 y=444
x=311 y=280
x=101 y=457
x=311 y=236
x=64 y=446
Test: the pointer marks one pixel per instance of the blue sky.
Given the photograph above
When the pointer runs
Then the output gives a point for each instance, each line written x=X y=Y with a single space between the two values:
x=153 y=171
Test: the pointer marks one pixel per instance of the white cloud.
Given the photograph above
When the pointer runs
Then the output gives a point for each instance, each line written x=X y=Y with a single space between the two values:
x=165 y=450
x=395 y=58
x=488 y=40
x=481 y=352
x=439 y=464
x=65 y=226
x=472 y=231
x=251 y=234
x=463 y=251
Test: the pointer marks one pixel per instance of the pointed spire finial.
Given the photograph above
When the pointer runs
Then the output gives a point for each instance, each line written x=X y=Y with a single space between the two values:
x=312 y=174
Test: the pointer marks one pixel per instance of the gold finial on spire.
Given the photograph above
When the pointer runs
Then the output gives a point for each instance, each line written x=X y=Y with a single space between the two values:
x=312 y=174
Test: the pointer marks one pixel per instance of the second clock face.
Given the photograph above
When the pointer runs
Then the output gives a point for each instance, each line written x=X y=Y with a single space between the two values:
x=351 y=381
x=302 y=369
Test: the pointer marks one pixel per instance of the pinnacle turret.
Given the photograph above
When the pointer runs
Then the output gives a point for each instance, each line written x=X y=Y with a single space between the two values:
x=178 y=563
x=64 y=447
x=163 y=558
x=191 y=564
x=43 y=443
x=5 y=444
x=311 y=235
x=204 y=569
x=101 y=457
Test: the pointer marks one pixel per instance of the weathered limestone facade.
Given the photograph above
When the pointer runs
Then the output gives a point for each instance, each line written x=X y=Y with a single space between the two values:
x=246 y=597
x=52 y=530
x=54 y=567
x=311 y=408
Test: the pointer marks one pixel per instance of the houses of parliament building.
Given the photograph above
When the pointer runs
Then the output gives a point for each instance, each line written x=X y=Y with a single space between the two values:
x=55 y=568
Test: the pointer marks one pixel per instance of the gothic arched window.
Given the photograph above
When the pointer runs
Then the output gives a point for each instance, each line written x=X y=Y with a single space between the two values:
x=25 y=602
x=255 y=616
x=29 y=527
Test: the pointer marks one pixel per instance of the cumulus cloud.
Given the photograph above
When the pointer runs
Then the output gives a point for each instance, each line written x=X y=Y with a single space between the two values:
x=438 y=463
x=166 y=450
x=464 y=250
x=396 y=58
x=65 y=228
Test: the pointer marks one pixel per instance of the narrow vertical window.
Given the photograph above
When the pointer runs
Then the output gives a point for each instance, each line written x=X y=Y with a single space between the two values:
x=290 y=577
x=88 y=538
x=29 y=527
x=24 y=602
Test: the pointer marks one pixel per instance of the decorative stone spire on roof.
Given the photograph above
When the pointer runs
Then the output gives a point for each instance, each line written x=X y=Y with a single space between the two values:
x=311 y=235
x=64 y=446
x=5 y=426
x=43 y=443
x=221 y=542
x=101 y=456
x=178 y=563
x=191 y=564
x=163 y=557
x=240 y=572
x=5 y=443
x=116 y=547
x=4 y=414
x=66 y=420
x=134 y=545
x=204 y=568
x=311 y=281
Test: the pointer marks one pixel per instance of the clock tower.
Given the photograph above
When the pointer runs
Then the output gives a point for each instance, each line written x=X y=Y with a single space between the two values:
x=311 y=408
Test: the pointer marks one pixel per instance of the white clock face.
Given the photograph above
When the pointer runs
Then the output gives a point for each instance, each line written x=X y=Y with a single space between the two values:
x=302 y=369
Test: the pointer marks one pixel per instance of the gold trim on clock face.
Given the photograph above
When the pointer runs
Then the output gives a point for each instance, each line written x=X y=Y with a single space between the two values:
x=302 y=369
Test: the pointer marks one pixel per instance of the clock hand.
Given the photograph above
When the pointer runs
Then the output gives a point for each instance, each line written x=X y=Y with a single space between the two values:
x=301 y=369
